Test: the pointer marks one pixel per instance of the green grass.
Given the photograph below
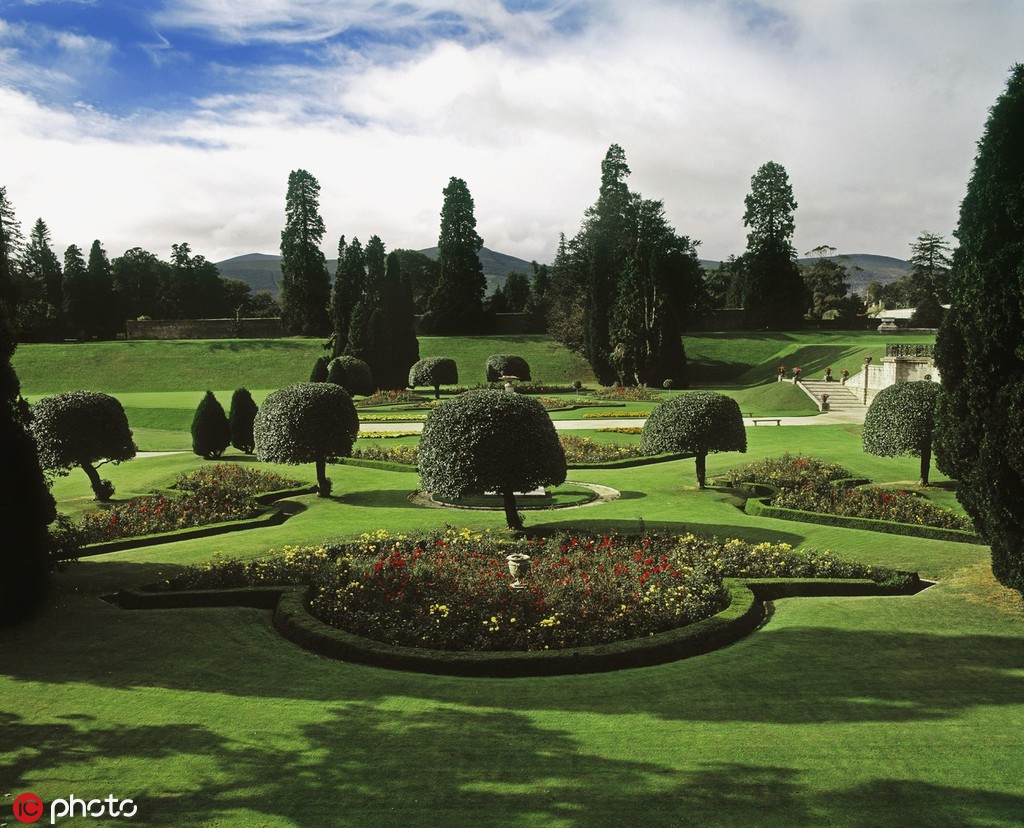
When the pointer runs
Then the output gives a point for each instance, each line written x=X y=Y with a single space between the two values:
x=840 y=711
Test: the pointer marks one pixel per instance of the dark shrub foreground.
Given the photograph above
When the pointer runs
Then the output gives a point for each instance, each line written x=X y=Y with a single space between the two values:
x=452 y=592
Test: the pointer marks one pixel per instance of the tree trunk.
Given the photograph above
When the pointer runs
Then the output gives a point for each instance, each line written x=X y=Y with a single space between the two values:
x=437 y=392
x=98 y=488
x=926 y=462
x=323 y=485
x=511 y=513
x=701 y=458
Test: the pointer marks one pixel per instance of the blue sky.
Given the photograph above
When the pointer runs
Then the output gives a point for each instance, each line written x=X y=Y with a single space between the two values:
x=150 y=123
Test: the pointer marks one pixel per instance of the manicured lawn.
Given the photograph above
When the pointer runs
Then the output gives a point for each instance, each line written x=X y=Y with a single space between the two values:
x=840 y=711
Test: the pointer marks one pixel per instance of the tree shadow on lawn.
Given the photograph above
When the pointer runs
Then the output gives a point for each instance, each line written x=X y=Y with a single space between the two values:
x=368 y=765
x=378 y=499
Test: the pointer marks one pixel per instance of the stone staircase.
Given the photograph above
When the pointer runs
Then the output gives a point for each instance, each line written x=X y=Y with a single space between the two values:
x=841 y=400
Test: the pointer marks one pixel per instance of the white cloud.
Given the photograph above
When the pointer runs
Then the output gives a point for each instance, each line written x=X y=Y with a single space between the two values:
x=873 y=108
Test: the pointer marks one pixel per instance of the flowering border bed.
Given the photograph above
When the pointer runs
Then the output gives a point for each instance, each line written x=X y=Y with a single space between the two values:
x=744 y=614
x=271 y=516
x=762 y=507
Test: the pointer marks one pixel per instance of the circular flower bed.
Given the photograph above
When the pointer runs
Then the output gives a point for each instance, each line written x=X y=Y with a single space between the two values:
x=453 y=592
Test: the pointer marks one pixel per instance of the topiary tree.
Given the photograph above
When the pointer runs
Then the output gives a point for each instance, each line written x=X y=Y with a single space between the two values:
x=979 y=434
x=309 y=422
x=901 y=420
x=240 y=420
x=319 y=372
x=489 y=440
x=507 y=365
x=211 y=433
x=82 y=428
x=434 y=372
x=352 y=374
x=699 y=423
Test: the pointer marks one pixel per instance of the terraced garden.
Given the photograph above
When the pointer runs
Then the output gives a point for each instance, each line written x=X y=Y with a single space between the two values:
x=854 y=711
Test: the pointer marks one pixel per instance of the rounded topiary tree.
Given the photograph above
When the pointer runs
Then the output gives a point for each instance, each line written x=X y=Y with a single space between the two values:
x=901 y=420
x=434 y=372
x=507 y=365
x=698 y=423
x=309 y=422
x=490 y=440
x=319 y=372
x=211 y=433
x=352 y=374
x=82 y=428
x=240 y=420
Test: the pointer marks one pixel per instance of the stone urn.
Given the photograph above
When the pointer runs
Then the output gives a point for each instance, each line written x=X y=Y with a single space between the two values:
x=518 y=567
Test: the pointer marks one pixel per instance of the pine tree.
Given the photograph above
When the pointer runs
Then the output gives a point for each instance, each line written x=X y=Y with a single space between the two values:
x=980 y=414
x=305 y=282
x=103 y=323
x=44 y=292
x=456 y=305
x=76 y=292
x=774 y=294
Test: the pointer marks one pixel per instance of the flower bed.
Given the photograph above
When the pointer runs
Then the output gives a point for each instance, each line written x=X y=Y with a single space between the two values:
x=212 y=494
x=614 y=415
x=390 y=398
x=635 y=393
x=451 y=592
x=811 y=485
x=585 y=450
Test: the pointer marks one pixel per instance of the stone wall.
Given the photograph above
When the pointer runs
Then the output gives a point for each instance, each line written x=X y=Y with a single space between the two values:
x=204 y=328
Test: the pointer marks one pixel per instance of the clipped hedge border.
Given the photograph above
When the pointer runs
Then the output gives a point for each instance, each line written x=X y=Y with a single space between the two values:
x=631 y=462
x=760 y=507
x=271 y=517
x=384 y=465
x=744 y=614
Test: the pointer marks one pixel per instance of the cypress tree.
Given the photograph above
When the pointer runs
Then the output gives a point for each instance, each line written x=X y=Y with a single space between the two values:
x=979 y=434
x=349 y=284
x=102 y=322
x=76 y=292
x=25 y=500
x=240 y=419
x=211 y=433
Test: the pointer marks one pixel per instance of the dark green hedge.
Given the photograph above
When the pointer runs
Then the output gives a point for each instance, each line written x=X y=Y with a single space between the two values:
x=507 y=365
x=745 y=613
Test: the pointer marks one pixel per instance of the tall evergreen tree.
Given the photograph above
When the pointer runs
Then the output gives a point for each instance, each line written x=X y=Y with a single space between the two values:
x=928 y=279
x=76 y=292
x=774 y=294
x=41 y=308
x=140 y=281
x=349 y=284
x=102 y=322
x=305 y=282
x=456 y=305
x=25 y=500
x=980 y=413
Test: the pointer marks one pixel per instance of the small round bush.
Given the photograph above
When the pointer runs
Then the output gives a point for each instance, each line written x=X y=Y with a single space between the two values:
x=507 y=365
x=900 y=420
x=81 y=428
x=434 y=372
x=352 y=374
x=489 y=440
x=698 y=423
x=309 y=422
x=211 y=433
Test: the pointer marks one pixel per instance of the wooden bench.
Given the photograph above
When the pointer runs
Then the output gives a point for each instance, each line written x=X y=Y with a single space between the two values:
x=759 y=420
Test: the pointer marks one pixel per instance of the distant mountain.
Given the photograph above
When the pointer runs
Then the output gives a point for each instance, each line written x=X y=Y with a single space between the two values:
x=262 y=271
x=862 y=267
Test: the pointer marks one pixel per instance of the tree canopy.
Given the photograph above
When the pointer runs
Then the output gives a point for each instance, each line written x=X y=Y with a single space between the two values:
x=488 y=440
x=980 y=416
x=901 y=420
x=309 y=422
x=698 y=423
